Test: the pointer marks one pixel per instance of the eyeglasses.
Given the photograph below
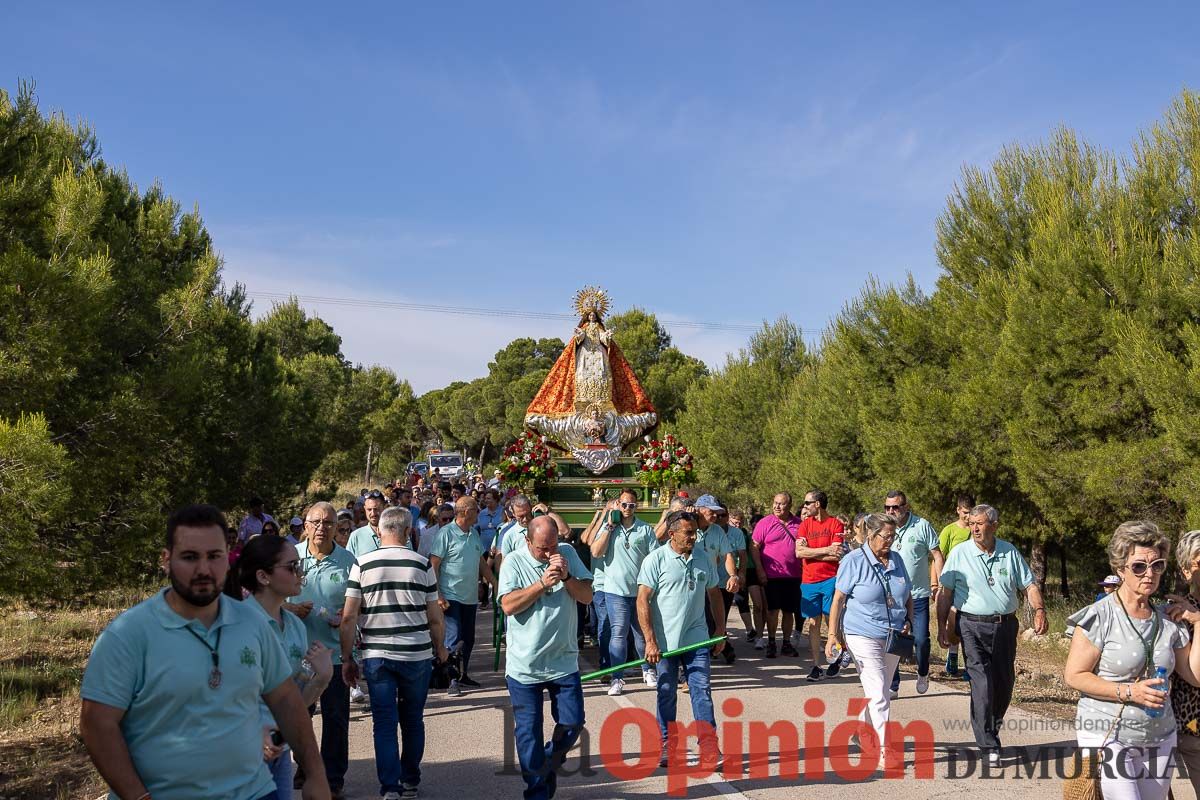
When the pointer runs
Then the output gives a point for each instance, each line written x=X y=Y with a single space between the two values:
x=894 y=508
x=374 y=494
x=886 y=539
x=780 y=505
x=1157 y=566
x=292 y=567
x=320 y=523
x=628 y=505
x=813 y=503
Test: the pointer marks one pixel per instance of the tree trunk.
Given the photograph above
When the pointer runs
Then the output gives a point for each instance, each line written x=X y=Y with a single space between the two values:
x=367 y=474
x=1064 y=586
x=1037 y=563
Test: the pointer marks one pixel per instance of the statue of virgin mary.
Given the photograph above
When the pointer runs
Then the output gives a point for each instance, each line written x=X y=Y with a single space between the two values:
x=591 y=403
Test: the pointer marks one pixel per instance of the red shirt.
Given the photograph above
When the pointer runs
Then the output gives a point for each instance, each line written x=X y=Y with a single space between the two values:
x=820 y=534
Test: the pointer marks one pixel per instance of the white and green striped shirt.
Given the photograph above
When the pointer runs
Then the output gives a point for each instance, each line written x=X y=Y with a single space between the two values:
x=394 y=583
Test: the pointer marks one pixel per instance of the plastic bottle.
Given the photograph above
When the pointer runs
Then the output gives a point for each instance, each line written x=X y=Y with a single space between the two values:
x=1161 y=674
x=307 y=671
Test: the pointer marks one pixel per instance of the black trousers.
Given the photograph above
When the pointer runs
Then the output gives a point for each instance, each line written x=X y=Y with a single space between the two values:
x=990 y=649
x=335 y=730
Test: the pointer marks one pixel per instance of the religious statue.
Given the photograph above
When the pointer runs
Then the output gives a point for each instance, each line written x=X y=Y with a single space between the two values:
x=591 y=403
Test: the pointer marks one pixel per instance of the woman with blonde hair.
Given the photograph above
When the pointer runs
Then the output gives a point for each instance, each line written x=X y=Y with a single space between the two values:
x=1121 y=649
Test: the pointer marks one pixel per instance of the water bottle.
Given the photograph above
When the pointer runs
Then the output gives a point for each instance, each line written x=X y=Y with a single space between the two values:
x=1161 y=674
x=307 y=671
x=836 y=655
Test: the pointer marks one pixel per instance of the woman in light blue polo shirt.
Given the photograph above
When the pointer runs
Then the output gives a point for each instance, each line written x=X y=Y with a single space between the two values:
x=269 y=569
x=872 y=597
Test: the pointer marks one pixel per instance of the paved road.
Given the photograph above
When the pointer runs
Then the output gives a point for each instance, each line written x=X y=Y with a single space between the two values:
x=466 y=736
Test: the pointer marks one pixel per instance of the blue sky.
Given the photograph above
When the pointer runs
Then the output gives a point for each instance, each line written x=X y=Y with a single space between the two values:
x=706 y=161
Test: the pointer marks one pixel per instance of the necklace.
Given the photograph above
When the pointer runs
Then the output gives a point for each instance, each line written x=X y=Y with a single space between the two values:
x=1147 y=647
x=214 y=677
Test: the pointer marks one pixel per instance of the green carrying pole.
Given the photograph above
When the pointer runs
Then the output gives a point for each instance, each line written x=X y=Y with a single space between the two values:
x=600 y=673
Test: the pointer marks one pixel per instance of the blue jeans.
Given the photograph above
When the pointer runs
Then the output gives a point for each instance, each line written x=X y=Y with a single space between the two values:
x=282 y=772
x=540 y=759
x=398 y=692
x=619 y=611
x=603 y=628
x=696 y=666
x=460 y=627
x=921 y=644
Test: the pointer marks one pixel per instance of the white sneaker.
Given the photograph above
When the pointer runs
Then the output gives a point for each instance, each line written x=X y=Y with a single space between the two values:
x=893 y=693
x=616 y=687
x=392 y=796
x=455 y=690
x=358 y=696
x=847 y=659
x=761 y=644
x=650 y=678
x=922 y=684
x=993 y=758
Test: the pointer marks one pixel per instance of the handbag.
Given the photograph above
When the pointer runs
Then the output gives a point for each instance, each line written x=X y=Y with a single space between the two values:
x=1086 y=784
x=900 y=644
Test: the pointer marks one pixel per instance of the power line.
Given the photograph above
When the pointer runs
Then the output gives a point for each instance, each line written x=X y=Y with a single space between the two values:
x=466 y=311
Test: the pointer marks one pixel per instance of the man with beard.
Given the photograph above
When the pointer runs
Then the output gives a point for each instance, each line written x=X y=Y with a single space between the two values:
x=171 y=691
x=366 y=539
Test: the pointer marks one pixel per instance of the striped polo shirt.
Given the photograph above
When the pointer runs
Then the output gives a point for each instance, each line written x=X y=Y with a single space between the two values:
x=394 y=583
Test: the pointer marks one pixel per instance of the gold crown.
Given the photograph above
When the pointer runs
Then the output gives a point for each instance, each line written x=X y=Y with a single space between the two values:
x=591 y=298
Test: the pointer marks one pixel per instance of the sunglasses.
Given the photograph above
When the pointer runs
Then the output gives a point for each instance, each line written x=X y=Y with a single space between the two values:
x=1138 y=568
x=894 y=508
x=374 y=494
x=628 y=505
x=292 y=567
x=811 y=503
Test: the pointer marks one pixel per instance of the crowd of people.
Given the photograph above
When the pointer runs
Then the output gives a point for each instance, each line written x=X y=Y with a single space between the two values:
x=375 y=602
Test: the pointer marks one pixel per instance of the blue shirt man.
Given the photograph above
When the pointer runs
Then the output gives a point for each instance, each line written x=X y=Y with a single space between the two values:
x=618 y=550
x=539 y=587
x=672 y=587
x=457 y=558
x=489 y=522
x=171 y=692
x=916 y=543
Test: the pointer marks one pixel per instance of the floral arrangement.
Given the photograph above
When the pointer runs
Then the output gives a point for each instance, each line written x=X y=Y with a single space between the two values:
x=527 y=461
x=664 y=462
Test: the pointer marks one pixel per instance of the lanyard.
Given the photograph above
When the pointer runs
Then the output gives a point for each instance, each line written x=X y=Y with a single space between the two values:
x=214 y=677
x=1147 y=647
x=876 y=571
x=689 y=565
x=989 y=563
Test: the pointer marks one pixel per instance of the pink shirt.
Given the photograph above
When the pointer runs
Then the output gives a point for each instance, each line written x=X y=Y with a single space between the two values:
x=777 y=541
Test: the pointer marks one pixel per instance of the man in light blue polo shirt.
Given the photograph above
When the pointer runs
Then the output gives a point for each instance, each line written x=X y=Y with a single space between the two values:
x=172 y=688
x=618 y=550
x=672 y=588
x=457 y=558
x=366 y=539
x=916 y=543
x=326 y=568
x=539 y=587
x=720 y=548
x=513 y=536
x=984 y=579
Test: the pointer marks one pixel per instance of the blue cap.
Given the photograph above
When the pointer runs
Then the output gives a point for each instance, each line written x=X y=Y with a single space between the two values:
x=709 y=502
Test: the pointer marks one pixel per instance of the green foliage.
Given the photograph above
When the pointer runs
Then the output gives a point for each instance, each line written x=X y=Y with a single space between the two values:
x=726 y=417
x=665 y=372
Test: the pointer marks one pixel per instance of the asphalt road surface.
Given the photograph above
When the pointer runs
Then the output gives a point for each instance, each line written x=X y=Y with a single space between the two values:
x=469 y=752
